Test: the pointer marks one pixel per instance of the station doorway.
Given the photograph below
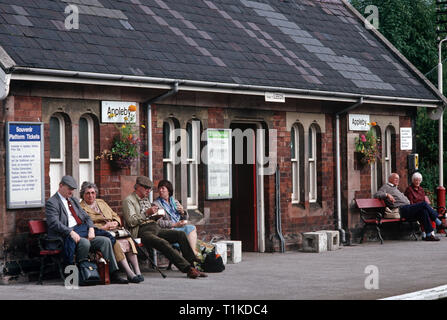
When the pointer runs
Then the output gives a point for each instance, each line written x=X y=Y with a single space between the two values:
x=247 y=216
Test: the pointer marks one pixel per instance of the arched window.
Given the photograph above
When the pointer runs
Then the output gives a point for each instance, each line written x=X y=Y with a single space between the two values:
x=389 y=150
x=296 y=145
x=312 y=161
x=86 y=149
x=193 y=152
x=57 y=151
x=169 y=151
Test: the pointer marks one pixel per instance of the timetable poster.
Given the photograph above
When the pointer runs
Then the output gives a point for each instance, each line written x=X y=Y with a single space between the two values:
x=24 y=164
x=218 y=163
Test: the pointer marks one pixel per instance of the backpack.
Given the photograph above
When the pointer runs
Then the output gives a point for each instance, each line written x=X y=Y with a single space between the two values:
x=213 y=262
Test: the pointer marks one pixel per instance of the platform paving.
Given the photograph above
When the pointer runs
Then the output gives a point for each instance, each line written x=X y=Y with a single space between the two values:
x=367 y=271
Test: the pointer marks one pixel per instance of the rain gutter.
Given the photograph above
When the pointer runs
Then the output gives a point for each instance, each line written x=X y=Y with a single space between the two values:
x=50 y=75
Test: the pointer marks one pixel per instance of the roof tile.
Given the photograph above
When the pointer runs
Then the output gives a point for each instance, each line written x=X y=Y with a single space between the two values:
x=299 y=44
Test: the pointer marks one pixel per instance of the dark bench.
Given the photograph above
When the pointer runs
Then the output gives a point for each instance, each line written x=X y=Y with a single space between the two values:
x=38 y=246
x=372 y=213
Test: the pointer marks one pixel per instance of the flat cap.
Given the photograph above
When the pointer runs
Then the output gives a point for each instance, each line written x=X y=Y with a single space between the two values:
x=69 y=181
x=144 y=181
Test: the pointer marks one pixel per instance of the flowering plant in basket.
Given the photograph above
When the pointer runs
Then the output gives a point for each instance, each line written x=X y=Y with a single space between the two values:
x=368 y=145
x=126 y=146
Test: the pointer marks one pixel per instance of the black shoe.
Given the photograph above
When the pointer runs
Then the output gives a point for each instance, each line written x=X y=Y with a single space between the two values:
x=140 y=276
x=115 y=278
x=135 y=279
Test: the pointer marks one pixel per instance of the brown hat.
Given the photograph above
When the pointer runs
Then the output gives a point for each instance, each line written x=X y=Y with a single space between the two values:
x=144 y=181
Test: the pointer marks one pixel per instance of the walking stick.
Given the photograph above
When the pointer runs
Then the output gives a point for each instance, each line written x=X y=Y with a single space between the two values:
x=149 y=258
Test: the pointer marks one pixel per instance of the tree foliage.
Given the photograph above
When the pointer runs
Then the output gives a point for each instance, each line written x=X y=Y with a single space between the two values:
x=410 y=25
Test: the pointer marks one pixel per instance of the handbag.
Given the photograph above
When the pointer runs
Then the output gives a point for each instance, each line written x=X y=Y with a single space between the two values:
x=392 y=213
x=119 y=233
x=88 y=273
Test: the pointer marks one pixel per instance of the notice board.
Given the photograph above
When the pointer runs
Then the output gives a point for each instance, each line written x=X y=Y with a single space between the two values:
x=218 y=159
x=24 y=165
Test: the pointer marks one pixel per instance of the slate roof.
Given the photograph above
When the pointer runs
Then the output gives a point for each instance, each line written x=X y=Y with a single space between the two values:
x=312 y=45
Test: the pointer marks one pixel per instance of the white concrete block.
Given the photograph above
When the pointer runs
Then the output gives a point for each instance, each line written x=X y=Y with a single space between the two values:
x=314 y=241
x=333 y=239
x=221 y=248
x=235 y=248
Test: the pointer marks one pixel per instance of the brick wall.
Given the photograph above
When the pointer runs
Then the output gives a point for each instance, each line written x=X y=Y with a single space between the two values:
x=295 y=218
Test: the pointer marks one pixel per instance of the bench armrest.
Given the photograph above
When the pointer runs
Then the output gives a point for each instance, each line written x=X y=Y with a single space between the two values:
x=44 y=241
x=372 y=214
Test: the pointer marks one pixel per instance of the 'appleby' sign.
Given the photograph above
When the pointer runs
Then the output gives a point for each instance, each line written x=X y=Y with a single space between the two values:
x=359 y=122
x=117 y=112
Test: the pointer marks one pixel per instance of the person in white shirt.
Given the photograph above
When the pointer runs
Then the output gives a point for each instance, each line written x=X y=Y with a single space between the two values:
x=67 y=221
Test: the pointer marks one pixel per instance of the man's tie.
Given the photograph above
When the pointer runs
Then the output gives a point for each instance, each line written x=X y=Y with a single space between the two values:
x=73 y=212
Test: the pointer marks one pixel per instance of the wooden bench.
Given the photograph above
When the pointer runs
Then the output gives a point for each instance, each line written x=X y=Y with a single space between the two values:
x=38 y=246
x=372 y=214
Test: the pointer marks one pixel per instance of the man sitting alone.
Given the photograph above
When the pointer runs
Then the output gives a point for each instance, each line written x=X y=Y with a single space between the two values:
x=421 y=212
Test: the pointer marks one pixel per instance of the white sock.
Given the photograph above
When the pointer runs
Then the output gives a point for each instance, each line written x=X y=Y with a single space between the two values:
x=423 y=235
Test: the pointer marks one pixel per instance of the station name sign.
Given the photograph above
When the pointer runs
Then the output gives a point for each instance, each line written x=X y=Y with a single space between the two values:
x=359 y=122
x=117 y=112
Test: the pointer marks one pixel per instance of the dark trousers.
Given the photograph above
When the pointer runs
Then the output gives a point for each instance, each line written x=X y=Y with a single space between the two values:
x=158 y=238
x=421 y=212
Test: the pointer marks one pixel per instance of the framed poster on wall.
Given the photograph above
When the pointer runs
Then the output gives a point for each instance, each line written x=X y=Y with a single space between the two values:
x=218 y=159
x=24 y=165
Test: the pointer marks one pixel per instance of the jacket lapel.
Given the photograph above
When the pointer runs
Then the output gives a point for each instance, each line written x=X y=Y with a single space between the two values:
x=62 y=206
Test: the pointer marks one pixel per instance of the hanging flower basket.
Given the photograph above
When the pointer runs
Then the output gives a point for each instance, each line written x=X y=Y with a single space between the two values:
x=126 y=146
x=361 y=158
x=367 y=147
x=122 y=163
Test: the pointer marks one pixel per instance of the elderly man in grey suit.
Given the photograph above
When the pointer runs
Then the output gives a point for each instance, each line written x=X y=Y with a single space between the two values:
x=64 y=215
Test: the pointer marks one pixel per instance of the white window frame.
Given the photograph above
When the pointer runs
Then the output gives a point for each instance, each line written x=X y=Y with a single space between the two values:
x=192 y=164
x=170 y=160
x=388 y=152
x=295 y=159
x=87 y=163
x=312 y=161
x=57 y=165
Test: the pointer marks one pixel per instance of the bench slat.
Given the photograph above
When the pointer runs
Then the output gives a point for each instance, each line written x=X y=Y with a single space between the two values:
x=370 y=203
